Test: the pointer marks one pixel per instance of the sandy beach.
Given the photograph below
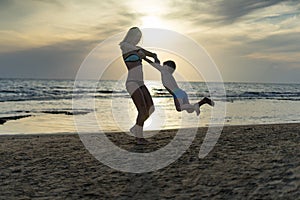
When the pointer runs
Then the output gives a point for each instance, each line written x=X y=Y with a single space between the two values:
x=248 y=162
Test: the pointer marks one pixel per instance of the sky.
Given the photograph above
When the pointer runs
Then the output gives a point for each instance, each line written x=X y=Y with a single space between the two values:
x=249 y=40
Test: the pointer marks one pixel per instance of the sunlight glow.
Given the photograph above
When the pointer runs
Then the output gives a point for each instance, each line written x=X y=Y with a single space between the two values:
x=156 y=7
x=152 y=22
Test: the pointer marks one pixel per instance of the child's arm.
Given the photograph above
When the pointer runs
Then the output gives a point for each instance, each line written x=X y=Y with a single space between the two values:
x=155 y=65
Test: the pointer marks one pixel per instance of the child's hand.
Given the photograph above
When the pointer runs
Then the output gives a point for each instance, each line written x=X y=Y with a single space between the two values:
x=156 y=60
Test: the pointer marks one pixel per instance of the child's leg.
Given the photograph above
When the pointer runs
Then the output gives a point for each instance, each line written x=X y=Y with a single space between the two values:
x=206 y=100
x=177 y=104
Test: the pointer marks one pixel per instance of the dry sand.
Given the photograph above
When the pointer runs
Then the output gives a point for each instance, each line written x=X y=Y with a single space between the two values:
x=248 y=162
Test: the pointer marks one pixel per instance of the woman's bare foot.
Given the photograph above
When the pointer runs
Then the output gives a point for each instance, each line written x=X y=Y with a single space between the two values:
x=137 y=131
x=132 y=130
x=141 y=141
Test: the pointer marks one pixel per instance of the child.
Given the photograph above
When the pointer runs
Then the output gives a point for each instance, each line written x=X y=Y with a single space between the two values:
x=180 y=97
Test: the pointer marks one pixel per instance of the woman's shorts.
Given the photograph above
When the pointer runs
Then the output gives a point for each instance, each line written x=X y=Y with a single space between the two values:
x=132 y=86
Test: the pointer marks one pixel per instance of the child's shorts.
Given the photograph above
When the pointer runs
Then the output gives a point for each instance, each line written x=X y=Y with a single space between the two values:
x=180 y=94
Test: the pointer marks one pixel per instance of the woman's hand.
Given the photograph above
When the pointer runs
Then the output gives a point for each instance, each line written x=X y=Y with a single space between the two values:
x=156 y=60
x=141 y=54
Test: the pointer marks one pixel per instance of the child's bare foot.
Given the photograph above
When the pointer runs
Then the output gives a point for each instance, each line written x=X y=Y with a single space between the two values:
x=197 y=109
x=208 y=101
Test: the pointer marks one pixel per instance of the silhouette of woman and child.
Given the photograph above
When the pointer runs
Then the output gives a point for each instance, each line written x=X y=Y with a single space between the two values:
x=133 y=56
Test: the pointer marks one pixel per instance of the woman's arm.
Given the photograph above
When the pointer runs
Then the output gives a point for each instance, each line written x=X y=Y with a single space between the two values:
x=149 y=54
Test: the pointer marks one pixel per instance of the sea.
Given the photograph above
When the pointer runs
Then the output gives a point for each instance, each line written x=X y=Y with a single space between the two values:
x=47 y=106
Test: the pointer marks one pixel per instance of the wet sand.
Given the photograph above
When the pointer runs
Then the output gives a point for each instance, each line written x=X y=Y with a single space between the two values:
x=3 y=120
x=248 y=162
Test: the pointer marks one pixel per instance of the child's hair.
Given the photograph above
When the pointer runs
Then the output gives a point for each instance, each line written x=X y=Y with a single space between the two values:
x=170 y=63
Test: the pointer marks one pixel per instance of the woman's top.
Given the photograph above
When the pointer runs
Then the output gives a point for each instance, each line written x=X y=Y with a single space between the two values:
x=133 y=62
x=132 y=58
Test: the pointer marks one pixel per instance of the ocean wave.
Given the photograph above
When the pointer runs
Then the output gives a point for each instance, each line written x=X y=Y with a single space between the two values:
x=32 y=90
x=3 y=120
x=56 y=95
x=19 y=114
x=66 y=112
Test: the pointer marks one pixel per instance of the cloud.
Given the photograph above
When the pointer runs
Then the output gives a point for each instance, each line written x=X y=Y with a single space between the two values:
x=232 y=10
x=60 y=60
x=47 y=22
x=284 y=42
x=222 y=12
x=54 y=2
x=49 y=38
x=4 y=3
x=251 y=30
x=280 y=48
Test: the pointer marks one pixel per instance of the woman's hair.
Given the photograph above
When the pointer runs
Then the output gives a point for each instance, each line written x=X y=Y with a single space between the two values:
x=133 y=36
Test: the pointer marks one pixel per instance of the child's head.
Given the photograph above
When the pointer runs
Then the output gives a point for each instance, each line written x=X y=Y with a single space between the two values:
x=171 y=65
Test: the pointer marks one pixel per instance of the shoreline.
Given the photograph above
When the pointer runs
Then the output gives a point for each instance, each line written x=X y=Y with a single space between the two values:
x=146 y=131
x=248 y=162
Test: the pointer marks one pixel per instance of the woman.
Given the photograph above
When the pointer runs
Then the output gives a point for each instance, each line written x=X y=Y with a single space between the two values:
x=132 y=56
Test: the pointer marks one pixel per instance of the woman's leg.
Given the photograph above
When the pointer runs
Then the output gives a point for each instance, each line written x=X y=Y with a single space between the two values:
x=148 y=100
x=136 y=93
x=141 y=103
x=144 y=104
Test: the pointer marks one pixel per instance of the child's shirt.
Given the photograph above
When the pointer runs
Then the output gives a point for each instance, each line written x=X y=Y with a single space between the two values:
x=167 y=78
